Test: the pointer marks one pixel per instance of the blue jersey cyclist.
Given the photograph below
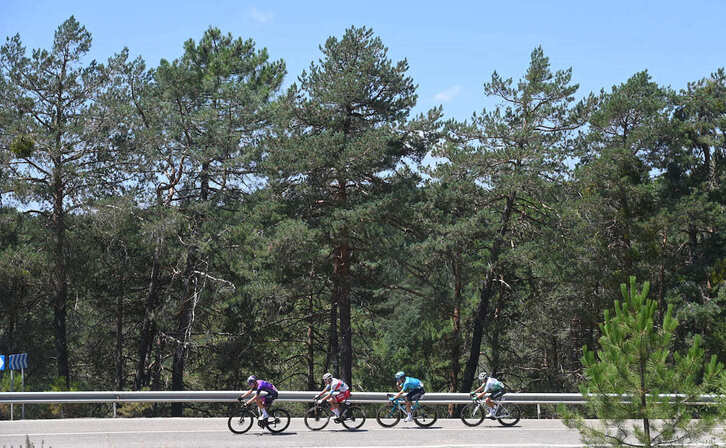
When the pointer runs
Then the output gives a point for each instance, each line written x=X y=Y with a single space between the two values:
x=493 y=388
x=264 y=394
x=412 y=387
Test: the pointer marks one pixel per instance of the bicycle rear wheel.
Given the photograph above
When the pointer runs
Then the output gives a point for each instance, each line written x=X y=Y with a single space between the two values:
x=279 y=420
x=354 y=417
x=388 y=416
x=316 y=418
x=425 y=416
x=472 y=414
x=241 y=422
x=508 y=415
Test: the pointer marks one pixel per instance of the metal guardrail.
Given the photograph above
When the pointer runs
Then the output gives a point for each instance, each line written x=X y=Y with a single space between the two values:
x=291 y=396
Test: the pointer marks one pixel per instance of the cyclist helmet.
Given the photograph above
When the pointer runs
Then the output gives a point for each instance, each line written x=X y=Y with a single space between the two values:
x=251 y=380
x=327 y=377
x=400 y=375
x=483 y=375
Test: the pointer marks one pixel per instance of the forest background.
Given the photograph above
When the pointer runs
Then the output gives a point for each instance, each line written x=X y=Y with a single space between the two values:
x=182 y=226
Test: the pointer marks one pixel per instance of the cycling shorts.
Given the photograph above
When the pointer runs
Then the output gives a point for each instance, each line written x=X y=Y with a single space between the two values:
x=269 y=397
x=415 y=394
x=497 y=394
x=341 y=396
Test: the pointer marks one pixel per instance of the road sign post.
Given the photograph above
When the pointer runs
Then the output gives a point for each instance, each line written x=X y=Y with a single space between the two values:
x=12 y=389
x=18 y=361
x=22 y=387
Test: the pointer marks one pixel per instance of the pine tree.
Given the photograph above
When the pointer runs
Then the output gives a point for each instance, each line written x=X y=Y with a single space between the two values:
x=345 y=132
x=631 y=378
x=54 y=158
x=517 y=152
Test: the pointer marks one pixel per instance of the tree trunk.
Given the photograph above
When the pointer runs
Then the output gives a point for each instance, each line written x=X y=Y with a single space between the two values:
x=183 y=333
x=60 y=284
x=341 y=272
x=148 y=327
x=331 y=360
x=485 y=294
x=643 y=402
x=496 y=331
x=156 y=369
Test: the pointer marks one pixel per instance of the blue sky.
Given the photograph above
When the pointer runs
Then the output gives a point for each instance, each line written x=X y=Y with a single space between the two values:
x=452 y=47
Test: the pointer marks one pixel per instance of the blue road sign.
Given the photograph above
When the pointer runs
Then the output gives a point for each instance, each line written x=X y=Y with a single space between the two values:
x=2 y=362
x=18 y=361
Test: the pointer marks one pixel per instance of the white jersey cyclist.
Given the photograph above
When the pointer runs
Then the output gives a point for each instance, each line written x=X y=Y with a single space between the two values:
x=337 y=385
x=336 y=392
x=493 y=385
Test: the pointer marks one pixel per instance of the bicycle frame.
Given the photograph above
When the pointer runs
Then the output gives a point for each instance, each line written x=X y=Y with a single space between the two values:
x=400 y=404
x=506 y=413
x=481 y=403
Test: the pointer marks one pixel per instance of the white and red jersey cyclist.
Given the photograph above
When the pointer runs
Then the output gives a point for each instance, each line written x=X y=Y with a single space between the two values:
x=337 y=389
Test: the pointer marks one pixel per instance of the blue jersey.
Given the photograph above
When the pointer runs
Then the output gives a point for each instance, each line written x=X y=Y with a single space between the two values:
x=411 y=383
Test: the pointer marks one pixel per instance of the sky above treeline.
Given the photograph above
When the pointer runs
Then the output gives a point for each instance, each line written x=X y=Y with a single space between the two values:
x=452 y=47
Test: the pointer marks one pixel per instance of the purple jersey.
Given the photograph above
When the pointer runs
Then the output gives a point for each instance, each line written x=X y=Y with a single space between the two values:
x=265 y=386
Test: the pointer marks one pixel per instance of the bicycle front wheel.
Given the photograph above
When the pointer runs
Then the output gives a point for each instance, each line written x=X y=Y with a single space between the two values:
x=354 y=418
x=388 y=416
x=472 y=414
x=279 y=420
x=425 y=416
x=316 y=418
x=242 y=422
x=507 y=415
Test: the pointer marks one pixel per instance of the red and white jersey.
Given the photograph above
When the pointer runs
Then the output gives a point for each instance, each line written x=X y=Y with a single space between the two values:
x=337 y=385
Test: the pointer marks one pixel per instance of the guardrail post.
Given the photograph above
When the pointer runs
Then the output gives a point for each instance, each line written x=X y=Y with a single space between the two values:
x=538 y=411
x=114 y=409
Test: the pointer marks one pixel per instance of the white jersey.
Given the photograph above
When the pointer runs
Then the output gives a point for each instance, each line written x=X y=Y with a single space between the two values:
x=493 y=385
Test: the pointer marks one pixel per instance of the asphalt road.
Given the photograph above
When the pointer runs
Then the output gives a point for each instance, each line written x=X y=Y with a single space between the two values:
x=213 y=432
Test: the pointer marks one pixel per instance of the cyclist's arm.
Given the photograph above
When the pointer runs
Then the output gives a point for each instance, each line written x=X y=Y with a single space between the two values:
x=254 y=396
x=325 y=393
x=246 y=394
x=478 y=389
x=400 y=392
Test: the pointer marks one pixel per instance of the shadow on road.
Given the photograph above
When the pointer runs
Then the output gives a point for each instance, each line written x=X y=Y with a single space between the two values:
x=279 y=434
x=348 y=430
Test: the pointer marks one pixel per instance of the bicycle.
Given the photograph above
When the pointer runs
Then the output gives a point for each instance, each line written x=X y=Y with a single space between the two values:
x=390 y=414
x=474 y=413
x=241 y=422
x=318 y=416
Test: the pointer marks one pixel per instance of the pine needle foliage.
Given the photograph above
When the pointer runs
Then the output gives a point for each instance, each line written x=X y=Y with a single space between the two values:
x=642 y=392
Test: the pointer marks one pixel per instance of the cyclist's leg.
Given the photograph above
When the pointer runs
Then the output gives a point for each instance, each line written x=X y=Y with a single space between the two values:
x=413 y=396
x=263 y=400
x=333 y=401
x=493 y=401
x=269 y=399
x=407 y=399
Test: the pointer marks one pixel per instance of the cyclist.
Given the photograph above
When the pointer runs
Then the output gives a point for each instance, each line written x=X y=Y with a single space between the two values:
x=414 y=389
x=493 y=387
x=336 y=392
x=265 y=393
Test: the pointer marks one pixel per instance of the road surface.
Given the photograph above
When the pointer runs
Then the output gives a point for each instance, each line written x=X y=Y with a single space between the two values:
x=213 y=432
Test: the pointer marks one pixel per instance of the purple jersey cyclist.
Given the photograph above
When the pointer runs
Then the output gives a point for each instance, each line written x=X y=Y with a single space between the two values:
x=264 y=394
